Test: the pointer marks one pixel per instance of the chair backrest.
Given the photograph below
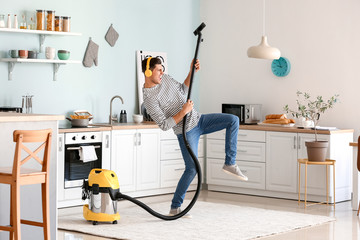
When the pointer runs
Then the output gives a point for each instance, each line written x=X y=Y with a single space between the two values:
x=32 y=136
x=358 y=155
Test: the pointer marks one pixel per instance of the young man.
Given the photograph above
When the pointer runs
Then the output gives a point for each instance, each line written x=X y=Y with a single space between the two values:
x=165 y=101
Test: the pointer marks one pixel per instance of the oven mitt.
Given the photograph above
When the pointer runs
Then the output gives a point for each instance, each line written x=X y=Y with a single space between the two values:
x=91 y=54
x=111 y=36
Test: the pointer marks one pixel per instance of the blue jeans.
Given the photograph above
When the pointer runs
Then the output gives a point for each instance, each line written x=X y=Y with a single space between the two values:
x=208 y=123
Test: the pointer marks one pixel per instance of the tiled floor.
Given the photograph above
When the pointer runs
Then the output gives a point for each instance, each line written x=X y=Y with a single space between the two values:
x=347 y=225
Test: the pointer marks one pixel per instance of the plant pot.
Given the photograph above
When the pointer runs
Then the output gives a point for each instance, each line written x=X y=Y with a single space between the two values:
x=317 y=150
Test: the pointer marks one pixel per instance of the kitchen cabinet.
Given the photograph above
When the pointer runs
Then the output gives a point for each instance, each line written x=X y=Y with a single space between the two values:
x=172 y=163
x=338 y=150
x=135 y=158
x=269 y=159
x=250 y=158
x=42 y=35
x=281 y=161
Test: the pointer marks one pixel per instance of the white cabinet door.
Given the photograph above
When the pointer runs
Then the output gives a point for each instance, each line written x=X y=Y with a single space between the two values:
x=281 y=161
x=123 y=161
x=148 y=159
x=106 y=153
x=60 y=167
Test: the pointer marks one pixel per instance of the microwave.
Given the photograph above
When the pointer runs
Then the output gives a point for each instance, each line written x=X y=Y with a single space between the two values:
x=247 y=113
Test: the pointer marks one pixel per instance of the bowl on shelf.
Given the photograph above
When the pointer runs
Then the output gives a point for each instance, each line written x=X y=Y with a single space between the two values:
x=138 y=118
x=63 y=54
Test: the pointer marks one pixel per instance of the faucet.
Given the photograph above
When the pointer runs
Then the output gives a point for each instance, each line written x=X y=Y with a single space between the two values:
x=111 y=118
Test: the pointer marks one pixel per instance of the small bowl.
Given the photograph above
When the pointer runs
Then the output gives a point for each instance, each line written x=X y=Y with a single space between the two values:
x=138 y=118
x=63 y=55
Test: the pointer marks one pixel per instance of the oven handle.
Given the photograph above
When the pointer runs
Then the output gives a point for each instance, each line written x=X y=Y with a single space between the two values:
x=78 y=148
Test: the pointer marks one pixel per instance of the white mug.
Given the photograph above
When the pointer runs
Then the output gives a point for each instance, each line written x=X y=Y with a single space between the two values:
x=50 y=53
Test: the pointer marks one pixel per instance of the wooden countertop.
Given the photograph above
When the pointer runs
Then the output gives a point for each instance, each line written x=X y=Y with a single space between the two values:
x=150 y=125
x=292 y=129
x=123 y=126
x=23 y=117
x=84 y=129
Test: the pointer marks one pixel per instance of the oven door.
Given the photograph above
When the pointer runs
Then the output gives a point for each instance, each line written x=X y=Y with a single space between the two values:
x=75 y=169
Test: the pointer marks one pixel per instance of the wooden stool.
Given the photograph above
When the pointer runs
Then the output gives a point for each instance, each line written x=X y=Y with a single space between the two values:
x=327 y=163
x=17 y=176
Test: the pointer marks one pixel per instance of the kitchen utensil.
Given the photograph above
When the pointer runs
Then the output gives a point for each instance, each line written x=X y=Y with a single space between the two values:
x=123 y=117
x=26 y=103
x=13 y=53
x=79 y=122
x=50 y=52
x=138 y=118
x=23 y=53
x=63 y=54
x=10 y=109
x=32 y=54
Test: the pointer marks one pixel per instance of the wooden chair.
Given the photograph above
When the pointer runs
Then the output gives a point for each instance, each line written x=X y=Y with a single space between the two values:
x=358 y=167
x=327 y=163
x=18 y=175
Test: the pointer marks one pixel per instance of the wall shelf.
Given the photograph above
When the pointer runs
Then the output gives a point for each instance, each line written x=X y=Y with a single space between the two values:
x=12 y=61
x=42 y=34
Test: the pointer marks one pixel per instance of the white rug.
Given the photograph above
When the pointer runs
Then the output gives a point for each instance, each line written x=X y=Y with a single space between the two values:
x=210 y=221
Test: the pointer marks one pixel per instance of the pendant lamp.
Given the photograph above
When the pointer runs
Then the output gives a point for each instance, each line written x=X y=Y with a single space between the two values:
x=263 y=50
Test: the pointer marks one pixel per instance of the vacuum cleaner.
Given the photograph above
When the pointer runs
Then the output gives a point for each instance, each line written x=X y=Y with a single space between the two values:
x=103 y=190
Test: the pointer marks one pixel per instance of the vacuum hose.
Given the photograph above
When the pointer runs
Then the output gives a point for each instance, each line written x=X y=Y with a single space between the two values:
x=197 y=32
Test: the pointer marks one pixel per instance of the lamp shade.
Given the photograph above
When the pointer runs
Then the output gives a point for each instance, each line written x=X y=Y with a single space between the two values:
x=263 y=50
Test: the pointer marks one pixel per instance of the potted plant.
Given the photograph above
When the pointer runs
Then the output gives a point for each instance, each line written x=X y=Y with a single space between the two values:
x=312 y=110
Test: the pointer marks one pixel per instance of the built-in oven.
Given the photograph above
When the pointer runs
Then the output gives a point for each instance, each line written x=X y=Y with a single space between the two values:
x=71 y=170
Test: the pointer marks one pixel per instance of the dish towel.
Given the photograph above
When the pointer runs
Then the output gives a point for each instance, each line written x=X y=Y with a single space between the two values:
x=87 y=153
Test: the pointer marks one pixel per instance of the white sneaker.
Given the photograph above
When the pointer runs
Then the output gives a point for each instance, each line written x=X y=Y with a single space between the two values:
x=174 y=211
x=235 y=171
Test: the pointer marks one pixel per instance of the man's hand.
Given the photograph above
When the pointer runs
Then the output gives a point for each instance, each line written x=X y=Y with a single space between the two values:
x=197 y=65
x=187 y=107
x=197 y=68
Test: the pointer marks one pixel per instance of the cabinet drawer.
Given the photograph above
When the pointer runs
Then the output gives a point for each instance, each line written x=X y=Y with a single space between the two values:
x=251 y=151
x=171 y=172
x=170 y=149
x=253 y=170
x=243 y=135
x=246 y=151
x=252 y=136
x=167 y=135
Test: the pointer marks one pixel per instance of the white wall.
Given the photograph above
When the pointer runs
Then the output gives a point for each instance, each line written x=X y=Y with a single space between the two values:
x=320 y=38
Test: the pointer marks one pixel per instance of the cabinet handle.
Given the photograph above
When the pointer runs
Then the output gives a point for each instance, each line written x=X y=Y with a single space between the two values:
x=107 y=141
x=299 y=143
x=243 y=151
x=135 y=139
x=177 y=149
x=139 y=135
x=294 y=142
x=243 y=134
x=179 y=169
x=60 y=144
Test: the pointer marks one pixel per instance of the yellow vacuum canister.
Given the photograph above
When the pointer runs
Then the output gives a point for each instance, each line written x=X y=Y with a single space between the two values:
x=101 y=189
